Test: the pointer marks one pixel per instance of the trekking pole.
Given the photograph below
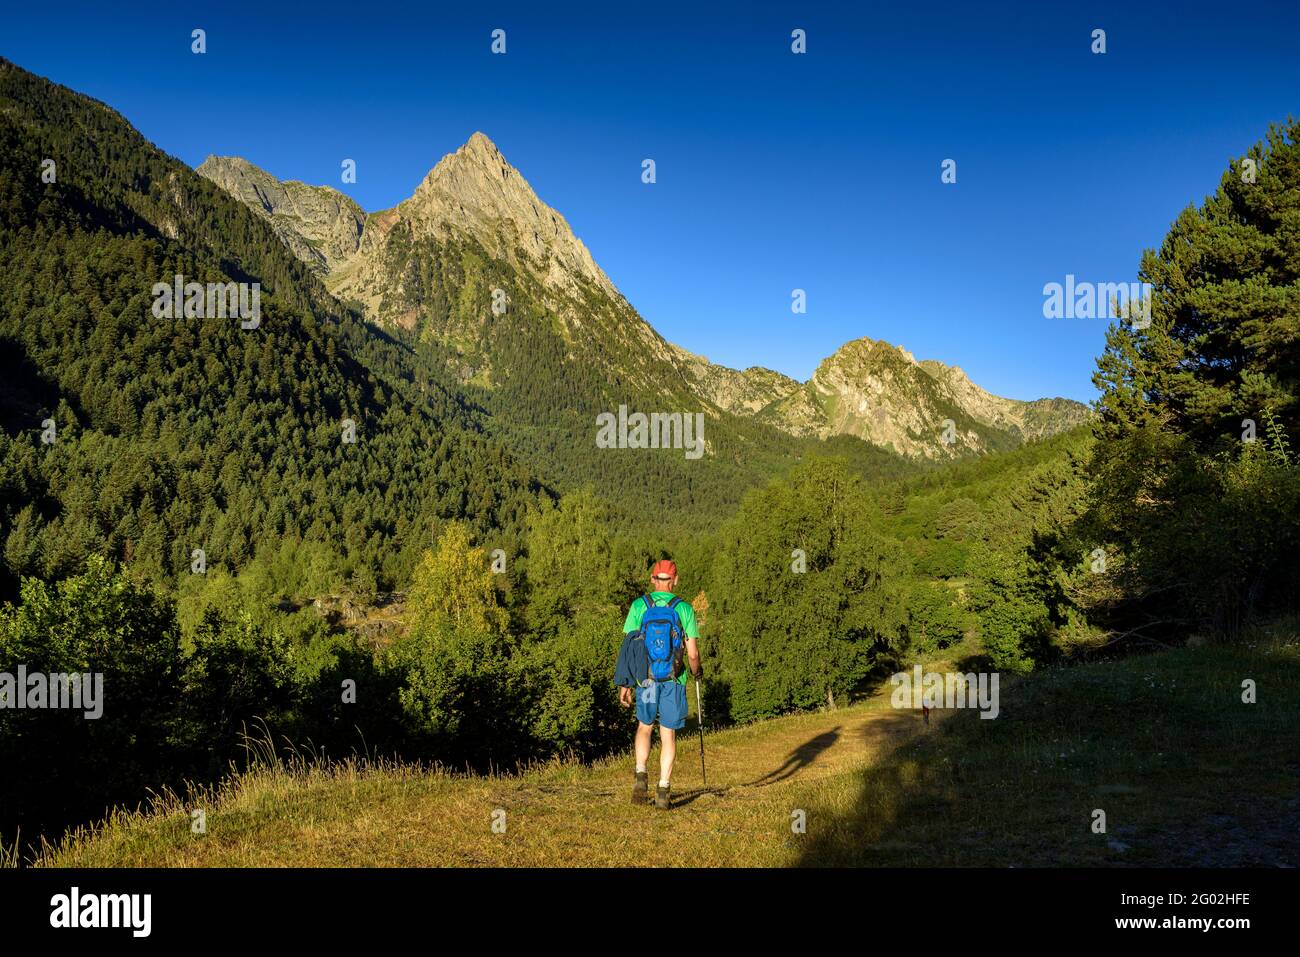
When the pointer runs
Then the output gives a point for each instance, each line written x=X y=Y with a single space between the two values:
x=699 y=718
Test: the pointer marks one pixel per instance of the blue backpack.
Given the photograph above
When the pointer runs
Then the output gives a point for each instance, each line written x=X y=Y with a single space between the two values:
x=661 y=630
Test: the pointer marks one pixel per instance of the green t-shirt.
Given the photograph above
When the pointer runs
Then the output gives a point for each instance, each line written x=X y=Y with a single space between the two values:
x=684 y=612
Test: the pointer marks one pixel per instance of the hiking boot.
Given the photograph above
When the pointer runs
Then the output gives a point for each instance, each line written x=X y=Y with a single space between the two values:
x=640 y=790
x=661 y=798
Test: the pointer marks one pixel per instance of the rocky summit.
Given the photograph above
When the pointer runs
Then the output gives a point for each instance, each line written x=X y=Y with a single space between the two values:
x=882 y=394
x=474 y=229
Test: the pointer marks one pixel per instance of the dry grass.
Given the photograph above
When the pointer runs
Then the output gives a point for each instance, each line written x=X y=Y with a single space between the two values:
x=1162 y=743
x=558 y=814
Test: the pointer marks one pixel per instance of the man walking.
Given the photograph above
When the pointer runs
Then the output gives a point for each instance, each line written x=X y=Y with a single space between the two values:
x=665 y=625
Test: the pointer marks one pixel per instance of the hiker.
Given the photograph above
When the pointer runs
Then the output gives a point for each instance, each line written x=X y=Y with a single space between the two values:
x=659 y=629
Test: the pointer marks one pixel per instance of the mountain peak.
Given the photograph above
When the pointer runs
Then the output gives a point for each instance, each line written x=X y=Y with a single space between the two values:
x=480 y=144
x=866 y=350
x=477 y=156
x=880 y=392
x=475 y=190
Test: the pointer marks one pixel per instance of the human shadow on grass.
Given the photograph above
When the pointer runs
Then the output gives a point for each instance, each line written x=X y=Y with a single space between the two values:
x=799 y=758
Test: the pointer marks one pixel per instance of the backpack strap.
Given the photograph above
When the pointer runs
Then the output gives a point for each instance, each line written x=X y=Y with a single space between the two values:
x=673 y=603
x=649 y=603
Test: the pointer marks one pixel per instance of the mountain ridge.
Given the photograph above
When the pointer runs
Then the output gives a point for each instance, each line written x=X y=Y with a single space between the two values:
x=867 y=388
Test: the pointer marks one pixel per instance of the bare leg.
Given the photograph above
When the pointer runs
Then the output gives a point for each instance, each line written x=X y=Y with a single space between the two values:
x=643 y=743
x=667 y=752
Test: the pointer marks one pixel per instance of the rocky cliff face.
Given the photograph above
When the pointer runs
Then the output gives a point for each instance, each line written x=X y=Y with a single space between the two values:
x=474 y=191
x=320 y=225
x=880 y=393
x=1029 y=420
x=472 y=199
x=744 y=392
x=474 y=224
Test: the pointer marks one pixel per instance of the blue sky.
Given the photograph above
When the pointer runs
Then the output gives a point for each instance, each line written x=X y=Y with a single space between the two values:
x=775 y=171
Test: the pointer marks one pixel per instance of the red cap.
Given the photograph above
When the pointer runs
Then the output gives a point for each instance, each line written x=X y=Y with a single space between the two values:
x=664 y=567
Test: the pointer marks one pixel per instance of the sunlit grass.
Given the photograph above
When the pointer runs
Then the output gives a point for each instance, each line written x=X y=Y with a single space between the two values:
x=1161 y=743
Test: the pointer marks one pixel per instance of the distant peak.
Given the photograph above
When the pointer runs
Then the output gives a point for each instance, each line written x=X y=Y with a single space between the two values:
x=862 y=346
x=477 y=160
x=476 y=190
x=226 y=171
x=478 y=151
x=866 y=346
x=216 y=162
x=479 y=143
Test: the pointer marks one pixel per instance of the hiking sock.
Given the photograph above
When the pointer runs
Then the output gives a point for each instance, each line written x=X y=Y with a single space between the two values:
x=663 y=782
x=640 y=769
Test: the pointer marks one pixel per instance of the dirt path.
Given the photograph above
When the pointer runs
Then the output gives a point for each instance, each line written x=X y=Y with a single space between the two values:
x=789 y=752
x=757 y=780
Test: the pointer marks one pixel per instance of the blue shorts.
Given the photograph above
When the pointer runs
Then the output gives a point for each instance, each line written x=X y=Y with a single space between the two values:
x=665 y=700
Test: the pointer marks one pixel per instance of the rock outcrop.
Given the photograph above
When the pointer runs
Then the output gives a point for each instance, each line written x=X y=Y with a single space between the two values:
x=320 y=225
x=882 y=394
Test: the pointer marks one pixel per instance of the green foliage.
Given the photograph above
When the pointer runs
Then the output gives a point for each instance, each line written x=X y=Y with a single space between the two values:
x=459 y=694
x=173 y=711
x=577 y=709
x=936 y=619
x=793 y=638
x=991 y=553
x=1204 y=519
x=571 y=566
x=177 y=434
x=1013 y=617
x=453 y=588
x=97 y=622
x=235 y=671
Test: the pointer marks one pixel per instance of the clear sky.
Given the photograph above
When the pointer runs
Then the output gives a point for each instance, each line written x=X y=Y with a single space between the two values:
x=775 y=171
